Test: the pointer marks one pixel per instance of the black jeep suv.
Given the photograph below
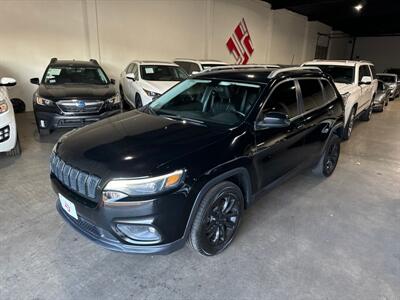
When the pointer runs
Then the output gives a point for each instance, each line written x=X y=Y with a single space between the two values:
x=72 y=94
x=187 y=165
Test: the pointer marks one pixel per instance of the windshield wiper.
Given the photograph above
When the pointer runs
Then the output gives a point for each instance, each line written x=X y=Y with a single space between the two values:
x=180 y=118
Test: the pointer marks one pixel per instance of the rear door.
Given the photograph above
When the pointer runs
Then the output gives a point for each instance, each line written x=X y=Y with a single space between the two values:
x=321 y=105
x=280 y=150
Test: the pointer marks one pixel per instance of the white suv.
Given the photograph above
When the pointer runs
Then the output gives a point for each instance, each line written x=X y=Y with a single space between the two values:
x=193 y=66
x=357 y=82
x=143 y=81
x=8 y=129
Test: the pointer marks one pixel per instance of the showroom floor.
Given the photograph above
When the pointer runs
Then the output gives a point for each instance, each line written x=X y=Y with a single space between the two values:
x=310 y=238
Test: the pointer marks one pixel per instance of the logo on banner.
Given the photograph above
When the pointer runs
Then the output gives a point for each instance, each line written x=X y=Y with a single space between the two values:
x=240 y=44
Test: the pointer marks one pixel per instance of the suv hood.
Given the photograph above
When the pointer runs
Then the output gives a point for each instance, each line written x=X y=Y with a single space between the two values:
x=133 y=144
x=74 y=91
x=159 y=87
x=344 y=88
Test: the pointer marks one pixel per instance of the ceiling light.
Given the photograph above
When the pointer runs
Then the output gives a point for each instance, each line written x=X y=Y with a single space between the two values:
x=358 y=7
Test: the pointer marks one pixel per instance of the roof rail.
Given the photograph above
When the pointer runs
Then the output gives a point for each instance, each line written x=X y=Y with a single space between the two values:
x=235 y=67
x=93 y=61
x=283 y=70
x=53 y=59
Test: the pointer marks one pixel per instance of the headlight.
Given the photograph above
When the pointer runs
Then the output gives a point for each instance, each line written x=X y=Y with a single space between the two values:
x=120 y=188
x=3 y=106
x=151 y=93
x=43 y=101
x=114 y=100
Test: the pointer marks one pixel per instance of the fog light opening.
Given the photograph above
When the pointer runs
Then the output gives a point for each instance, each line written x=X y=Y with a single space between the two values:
x=143 y=234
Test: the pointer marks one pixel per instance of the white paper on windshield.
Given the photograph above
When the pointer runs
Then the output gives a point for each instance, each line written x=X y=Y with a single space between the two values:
x=149 y=70
x=53 y=72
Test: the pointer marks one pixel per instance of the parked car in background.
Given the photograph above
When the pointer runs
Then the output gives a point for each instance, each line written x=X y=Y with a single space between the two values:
x=193 y=66
x=143 y=81
x=392 y=81
x=9 y=141
x=356 y=82
x=72 y=94
x=187 y=165
x=382 y=96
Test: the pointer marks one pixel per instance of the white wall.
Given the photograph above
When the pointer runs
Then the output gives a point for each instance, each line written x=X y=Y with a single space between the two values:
x=118 y=31
x=382 y=51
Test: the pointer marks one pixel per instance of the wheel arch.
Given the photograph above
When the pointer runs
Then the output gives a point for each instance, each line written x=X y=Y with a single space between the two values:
x=239 y=176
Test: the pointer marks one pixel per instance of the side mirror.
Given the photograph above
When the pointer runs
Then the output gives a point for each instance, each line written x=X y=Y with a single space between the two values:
x=35 y=81
x=131 y=76
x=7 y=81
x=274 y=120
x=112 y=81
x=366 y=80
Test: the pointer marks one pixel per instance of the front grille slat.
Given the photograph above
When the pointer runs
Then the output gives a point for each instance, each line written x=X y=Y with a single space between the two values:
x=80 y=106
x=79 y=181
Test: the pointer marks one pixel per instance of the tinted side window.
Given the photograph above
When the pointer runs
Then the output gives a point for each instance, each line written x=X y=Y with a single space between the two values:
x=373 y=71
x=134 y=70
x=283 y=100
x=193 y=68
x=364 y=71
x=330 y=93
x=184 y=65
x=312 y=93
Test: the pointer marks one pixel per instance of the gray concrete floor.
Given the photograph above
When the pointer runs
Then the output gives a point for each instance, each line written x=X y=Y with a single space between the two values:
x=310 y=238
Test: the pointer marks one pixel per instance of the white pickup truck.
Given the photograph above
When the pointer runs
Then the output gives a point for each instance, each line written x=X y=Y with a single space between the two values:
x=357 y=83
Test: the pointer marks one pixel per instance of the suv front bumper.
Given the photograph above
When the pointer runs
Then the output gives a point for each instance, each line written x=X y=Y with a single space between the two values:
x=52 y=120
x=7 y=123
x=97 y=221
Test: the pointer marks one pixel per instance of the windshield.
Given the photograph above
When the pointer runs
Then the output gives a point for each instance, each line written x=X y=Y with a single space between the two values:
x=340 y=74
x=81 y=75
x=387 y=78
x=208 y=66
x=208 y=101
x=162 y=73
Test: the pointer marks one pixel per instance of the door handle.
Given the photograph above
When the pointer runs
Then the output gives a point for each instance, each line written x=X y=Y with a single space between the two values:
x=300 y=126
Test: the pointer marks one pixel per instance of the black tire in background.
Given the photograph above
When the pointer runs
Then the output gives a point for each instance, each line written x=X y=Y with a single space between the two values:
x=138 y=101
x=350 y=123
x=18 y=105
x=217 y=219
x=125 y=105
x=366 y=115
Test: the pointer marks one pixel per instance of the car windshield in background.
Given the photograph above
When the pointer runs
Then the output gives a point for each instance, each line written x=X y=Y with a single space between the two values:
x=208 y=66
x=208 y=101
x=340 y=74
x=77 y=75
x=162 y=73
x=387 y=78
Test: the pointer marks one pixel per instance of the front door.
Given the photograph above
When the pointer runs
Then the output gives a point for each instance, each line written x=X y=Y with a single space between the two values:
x=280 y=150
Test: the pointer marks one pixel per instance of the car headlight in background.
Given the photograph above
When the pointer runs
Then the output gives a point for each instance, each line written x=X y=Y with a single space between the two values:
x=3 y=106
x=43 y=101
x=114 y=100
x=151 y=93
x=120 y=188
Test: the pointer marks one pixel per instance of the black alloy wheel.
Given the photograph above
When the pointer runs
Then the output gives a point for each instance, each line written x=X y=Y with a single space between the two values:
x=217 y=219
x=331 y=158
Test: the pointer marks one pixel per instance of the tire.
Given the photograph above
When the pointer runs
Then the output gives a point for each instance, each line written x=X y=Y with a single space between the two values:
x=138 y=101
x=350 y=123
x=125 y=105
x=366 y=115
x=16 y=151
x=387 y=102
x=328 y=162
x=223 y=204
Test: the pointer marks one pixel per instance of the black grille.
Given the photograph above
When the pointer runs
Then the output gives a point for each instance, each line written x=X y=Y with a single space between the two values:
x=80 y=106
x=81 y=182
